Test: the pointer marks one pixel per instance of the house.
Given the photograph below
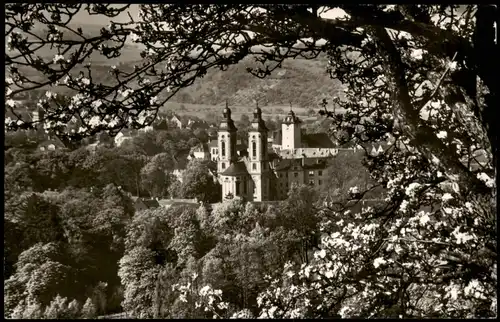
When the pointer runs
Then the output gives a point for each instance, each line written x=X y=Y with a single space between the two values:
x=121 y=137
x=141 y=204
x=179 y=121
x=200 y=152
x=51 y=144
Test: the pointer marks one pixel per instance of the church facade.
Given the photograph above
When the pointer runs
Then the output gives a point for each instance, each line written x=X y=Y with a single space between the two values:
x=263 y=171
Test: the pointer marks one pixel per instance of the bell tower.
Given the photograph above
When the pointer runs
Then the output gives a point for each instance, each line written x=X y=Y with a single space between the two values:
x=290 y=129
x=226 y=141
x=258 y=156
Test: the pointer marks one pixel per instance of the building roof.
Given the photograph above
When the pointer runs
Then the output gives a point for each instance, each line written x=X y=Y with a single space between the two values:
x=227 y=123
x=241 y=146
x=258 y=123
x=236 y=169
x=149 y=203
x=277 y=137
x=304 y=163
x=317 y=140
x=213 y=143
x=291 y=118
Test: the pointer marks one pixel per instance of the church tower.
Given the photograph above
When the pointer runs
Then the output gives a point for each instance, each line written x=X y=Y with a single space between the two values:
x=258 y=156
x=226 y=141
x=290 y=129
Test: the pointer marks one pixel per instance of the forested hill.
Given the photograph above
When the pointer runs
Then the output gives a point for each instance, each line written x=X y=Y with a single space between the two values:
x=300 y=82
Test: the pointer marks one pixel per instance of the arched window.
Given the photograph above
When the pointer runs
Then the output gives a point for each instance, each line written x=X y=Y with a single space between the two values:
x=223 y=148
x=254 y=149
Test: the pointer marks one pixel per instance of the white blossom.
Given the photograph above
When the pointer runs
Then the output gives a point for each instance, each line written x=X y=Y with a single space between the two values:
x=135 y=37
x=452 y=65
x=442 y=134
x=9 y=80
x=9 y=91
x=404 y=205
x=417 y=54
x=486 y=179
x=447 y=196
x=58 y=58
x=85 y=81
x=97 y=103
x=412 y=189
x=379 y=261
x=424 y=218
x=11 y=103
x=461 y=238
x=390 y=7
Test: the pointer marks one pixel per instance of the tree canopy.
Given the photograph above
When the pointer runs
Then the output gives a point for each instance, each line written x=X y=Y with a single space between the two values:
x=420 y=77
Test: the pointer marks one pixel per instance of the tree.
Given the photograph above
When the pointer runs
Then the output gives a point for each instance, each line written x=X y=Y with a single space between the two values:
x=147 y=252
x=88 y=310
x=423 y=75
x=197 y=182
x=154 y=176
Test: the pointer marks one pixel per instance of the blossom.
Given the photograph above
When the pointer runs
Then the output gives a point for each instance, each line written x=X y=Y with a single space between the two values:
x=412 y=189
x=85 y=81
x=447 y=196
x=424 y=218
x=390 y=7
x=452 y=65
x=379 y=261
x=442 y=134
x=404 y=205
x=417 y=54
x=486 y=179
x=58 y=58
x=321 y=253
x=461 y=238
x=11 y=103
x=134 y=37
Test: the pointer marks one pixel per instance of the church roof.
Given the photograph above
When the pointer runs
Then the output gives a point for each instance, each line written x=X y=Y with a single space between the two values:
x=227 y=124
x=317 y=140
x=291 y=118
x=236 y=169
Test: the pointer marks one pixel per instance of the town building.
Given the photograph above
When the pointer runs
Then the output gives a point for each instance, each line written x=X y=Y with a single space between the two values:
x=263 y=169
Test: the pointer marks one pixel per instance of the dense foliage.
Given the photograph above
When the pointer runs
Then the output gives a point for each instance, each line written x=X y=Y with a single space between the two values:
x=421 y=77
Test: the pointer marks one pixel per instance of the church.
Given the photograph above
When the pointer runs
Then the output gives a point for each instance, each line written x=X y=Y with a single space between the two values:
x=265 y=169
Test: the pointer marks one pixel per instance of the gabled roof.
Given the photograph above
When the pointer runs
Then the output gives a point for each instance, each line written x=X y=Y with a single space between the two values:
x=236 y=169
x=241 y=146
x=303 y=164
x=213 y=143
x=150 y=203
x=317 y=140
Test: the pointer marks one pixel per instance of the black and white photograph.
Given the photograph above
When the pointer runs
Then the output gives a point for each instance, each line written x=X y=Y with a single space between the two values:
x=249 y=161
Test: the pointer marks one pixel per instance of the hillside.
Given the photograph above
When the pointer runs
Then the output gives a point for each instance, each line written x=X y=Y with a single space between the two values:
x=304 y=83
x=301 y=82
